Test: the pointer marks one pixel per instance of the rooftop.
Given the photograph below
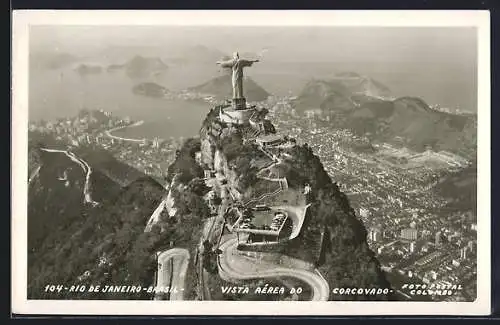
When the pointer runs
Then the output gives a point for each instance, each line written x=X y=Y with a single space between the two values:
x=232 y=109
x=269 y=138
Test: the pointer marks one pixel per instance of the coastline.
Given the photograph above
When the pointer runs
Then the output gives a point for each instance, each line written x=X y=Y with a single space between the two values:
x=108 y=132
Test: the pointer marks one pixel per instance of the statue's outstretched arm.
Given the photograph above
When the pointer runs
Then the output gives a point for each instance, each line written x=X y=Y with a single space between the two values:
x=248 y=63
x=225 y=64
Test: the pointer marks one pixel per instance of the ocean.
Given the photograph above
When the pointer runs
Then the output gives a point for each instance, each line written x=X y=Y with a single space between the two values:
x=62 y=93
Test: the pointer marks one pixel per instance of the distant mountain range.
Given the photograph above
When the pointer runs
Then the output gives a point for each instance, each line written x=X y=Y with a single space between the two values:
x=344 y=91
x=221 y=87
x=367 y=107
x=149 y=89
x=140 y=67
x=86 y=69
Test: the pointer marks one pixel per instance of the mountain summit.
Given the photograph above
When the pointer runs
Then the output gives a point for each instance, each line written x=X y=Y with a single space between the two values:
x=271 y=198
x=343 y=88
x=366 y=107
x=221 y=87
x=140 y=66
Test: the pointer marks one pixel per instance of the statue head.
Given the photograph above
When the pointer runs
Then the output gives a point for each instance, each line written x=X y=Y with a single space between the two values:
x=236 y=55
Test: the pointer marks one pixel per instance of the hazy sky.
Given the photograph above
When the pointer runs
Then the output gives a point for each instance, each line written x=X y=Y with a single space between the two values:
x=454 y=44
x=438 y=63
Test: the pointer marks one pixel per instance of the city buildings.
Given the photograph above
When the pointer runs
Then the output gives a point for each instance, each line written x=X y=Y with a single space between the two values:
x=374 y=235
x=437 y=238
x=392 y=187
x=409 y=234
x=463 y=253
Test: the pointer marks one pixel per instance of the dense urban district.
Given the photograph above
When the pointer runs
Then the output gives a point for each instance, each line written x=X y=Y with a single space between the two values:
x=419 y=223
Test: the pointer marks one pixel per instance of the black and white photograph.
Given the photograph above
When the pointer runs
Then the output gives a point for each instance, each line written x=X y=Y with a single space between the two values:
x=227 y=156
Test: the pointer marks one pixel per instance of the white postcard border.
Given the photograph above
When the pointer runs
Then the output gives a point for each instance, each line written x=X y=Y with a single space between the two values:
x=423 y=18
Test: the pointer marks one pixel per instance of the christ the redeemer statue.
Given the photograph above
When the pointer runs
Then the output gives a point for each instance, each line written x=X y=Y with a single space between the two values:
x=237 y=65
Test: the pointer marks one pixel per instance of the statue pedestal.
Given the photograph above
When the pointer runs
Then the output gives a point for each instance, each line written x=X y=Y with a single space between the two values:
x=239 y=103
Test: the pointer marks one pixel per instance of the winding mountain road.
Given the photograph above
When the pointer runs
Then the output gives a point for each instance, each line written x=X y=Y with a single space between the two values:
x=174 y=276
x=234 y=266
x=155 y=216
x=282 y=182
x=87 y=195
x=34 y=174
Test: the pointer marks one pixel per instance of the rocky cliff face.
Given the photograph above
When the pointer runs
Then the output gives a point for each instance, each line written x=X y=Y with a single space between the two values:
x=331 y=238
